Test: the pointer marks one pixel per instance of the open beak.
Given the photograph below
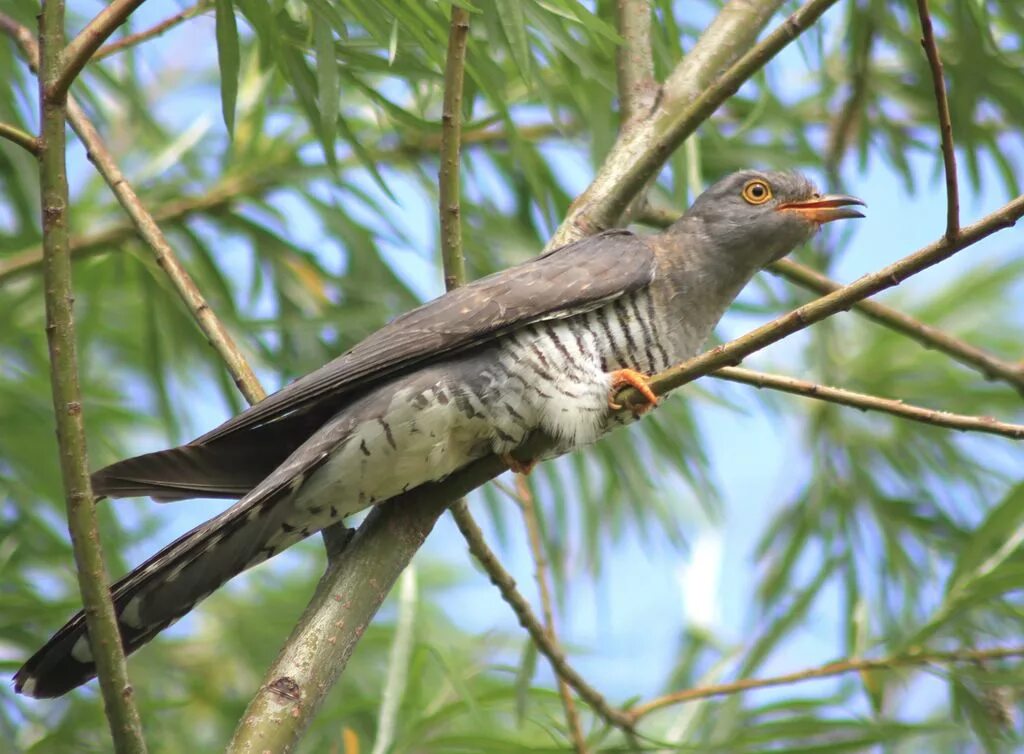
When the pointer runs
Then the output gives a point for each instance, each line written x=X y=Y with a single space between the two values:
x=825 y=209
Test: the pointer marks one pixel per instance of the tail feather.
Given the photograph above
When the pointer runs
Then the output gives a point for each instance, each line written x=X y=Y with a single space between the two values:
x=188 y=471
x=160 y=591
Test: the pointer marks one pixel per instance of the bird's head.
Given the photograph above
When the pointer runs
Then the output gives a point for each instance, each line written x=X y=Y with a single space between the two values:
x=762 y=216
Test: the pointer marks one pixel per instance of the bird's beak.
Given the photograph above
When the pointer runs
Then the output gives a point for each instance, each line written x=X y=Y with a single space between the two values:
x=825 y=209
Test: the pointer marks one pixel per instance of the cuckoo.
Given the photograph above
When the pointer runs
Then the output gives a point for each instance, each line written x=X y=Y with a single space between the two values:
x=540 y=347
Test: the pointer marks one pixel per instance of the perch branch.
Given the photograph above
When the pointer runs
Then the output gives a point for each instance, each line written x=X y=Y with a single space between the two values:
x=842 y=299
x=928 y=336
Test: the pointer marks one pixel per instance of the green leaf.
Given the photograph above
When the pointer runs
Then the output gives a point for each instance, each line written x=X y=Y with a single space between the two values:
x=228 y=57
x=328 y=88
x=513 y=23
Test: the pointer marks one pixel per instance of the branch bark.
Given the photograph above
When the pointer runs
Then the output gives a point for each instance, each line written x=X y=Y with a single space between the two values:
x=80 y=49
x=530 y=518
x=945 y=123
x=156 y=30
x=104 y=636
x=23 y=139
x=824 y=671
x=866 y=402
x=634 y=62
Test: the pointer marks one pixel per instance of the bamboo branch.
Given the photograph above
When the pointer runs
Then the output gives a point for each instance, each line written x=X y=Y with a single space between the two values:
x=529 y=510
x=690 y=95
x=945 y=124
x=991 y=367
x=81 y=48
x=894 y=662
x=130 y=40
x=104 y=636
x=634 y=61
x=23 y=139
x=866 y=402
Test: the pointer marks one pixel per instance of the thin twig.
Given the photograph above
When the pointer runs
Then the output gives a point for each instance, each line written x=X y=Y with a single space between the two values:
x=842 y=299
x=451 y=131
x=214 y=330
x=634 y=61
x=945 y=123
x=23 y=139
x=867 y=402
x=271 y=173
x=507 y=586
x=130 y=40
x=81 y=48
x=841 y=128
x=93 y=582
x=210 y=324
x=928 y=336
x=529 y=510
x=833 y=668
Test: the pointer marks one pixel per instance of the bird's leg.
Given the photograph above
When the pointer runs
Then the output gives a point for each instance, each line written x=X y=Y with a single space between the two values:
x=517 y=466
x=632 y=378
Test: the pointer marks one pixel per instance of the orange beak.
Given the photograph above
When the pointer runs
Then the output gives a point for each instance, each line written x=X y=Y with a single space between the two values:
x=825 y=209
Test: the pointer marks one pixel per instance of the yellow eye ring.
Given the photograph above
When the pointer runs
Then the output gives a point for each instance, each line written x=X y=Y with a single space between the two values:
x=756 y=192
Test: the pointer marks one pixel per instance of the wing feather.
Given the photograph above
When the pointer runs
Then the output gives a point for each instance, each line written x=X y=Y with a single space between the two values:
x=561 y=283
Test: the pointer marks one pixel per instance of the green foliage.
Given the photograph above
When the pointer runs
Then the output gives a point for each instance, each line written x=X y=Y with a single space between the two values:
x=290 y=155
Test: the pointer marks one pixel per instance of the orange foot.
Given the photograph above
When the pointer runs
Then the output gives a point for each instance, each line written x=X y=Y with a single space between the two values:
x=517 y=466
x=623 y=377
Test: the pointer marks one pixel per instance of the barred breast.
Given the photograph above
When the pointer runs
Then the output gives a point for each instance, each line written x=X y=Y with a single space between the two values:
x=551 y=376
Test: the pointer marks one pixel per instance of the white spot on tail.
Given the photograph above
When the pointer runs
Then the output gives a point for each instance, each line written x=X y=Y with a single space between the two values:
x=82 y=652
x=28 y=688
x=130 y=615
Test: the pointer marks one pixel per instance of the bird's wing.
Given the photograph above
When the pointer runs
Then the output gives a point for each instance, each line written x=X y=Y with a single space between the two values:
x=563 y=282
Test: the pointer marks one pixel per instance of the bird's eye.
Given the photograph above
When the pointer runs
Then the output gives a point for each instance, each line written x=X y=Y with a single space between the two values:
x=756 y=192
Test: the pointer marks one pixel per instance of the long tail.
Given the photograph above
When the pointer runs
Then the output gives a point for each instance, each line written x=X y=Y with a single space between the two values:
x=163 y=589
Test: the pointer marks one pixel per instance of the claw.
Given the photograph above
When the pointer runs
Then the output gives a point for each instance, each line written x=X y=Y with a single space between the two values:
x=517 y=466
x=623 y=377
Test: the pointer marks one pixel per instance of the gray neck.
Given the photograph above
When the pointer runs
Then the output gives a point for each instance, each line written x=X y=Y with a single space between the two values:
x=702 y=282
